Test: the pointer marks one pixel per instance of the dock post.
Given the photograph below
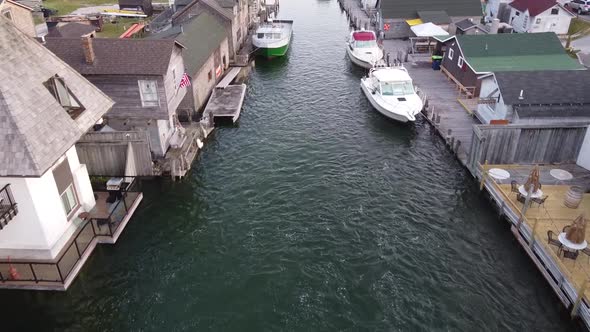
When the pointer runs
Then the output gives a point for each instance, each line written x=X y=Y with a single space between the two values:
x=484 y=175
x=452 y=143
x=581 y=292
x=457 y=146
x=532 y=243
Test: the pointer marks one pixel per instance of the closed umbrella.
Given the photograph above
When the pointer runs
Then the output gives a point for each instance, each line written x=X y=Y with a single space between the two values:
x=533 y=181
x=576 y=233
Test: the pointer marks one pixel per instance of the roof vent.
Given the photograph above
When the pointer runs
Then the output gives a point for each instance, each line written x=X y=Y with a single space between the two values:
x=521 y=96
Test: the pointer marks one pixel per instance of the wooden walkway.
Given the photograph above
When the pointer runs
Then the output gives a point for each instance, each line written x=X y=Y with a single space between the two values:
x=444 y=111
x=357 y=16
x=229 y=77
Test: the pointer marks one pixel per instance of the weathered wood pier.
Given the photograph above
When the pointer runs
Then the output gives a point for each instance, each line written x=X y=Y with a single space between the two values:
x=226 y=103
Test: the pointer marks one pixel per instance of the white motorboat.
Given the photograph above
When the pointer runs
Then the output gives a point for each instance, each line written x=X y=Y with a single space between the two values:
x=363 y=50
x=390 y=90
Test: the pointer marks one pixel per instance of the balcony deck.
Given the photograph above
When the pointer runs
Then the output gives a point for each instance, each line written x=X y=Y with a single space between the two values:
x=104 y=225
x=566 y=276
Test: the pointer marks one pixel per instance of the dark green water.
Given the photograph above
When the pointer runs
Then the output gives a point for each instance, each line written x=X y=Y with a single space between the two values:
x=314 y=214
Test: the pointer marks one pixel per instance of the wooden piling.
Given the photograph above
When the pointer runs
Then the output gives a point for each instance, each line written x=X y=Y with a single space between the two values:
x=484 y=175
x=581 y=292
x=532 y=243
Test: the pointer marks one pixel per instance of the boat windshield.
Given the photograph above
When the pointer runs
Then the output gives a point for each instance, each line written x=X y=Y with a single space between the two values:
x=365 y=43
x=397 y=88
x=268 y=35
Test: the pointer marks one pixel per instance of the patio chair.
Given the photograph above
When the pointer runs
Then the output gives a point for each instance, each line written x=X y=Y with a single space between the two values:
x=514 y=187
x=540 y=201
x=520 y=198
x=565 y=228
x=551 y=239
x=587 y=252
x=570 y=254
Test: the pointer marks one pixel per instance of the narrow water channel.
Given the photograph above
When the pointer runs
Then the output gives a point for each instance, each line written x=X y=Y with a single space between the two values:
x=315 y=213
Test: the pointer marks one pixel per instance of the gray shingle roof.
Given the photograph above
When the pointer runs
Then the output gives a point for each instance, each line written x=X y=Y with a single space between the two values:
x=465 y=24
x=408 y=9
x=434 y=16
x=35 y=130
x=115 y=56
x=545 y=87
x=201 y=36
x=71 y=30
x=212 y=4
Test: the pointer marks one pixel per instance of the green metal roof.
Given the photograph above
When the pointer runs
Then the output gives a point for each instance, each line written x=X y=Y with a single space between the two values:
x=516 y=51
x=201 y=36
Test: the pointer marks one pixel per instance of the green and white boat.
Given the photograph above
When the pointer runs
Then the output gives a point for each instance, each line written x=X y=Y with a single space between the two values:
x=272 y=38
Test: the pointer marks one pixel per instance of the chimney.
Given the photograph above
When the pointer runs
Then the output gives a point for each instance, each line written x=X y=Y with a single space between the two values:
x=495 y=26
x=88 y=50
x=521 y=96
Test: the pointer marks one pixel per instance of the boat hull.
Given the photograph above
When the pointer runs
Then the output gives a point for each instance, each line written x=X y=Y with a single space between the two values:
x=272 y=52
x=384 y=111
x=362 y=63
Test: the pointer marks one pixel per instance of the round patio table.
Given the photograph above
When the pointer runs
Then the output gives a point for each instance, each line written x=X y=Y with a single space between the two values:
x=536 y=194
x=561 y=174
x=569 y=244
x=499 y=174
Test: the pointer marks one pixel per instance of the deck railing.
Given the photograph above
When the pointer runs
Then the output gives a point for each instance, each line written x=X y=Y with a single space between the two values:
x=58 y=270
x=8 y=206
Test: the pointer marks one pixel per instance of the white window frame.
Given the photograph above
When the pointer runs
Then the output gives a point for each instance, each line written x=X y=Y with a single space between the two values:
x=460 y=62
x=451 y=53
x=145 y=102
x=67 y=200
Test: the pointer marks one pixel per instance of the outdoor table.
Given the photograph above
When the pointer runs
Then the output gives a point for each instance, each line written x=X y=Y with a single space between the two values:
x=499 y=174
x=570 y=245
x=561 y=175
x=537 y=194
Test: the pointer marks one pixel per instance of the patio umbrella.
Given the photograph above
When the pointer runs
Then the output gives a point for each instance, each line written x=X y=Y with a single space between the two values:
x=533 y=180
x=576 y=233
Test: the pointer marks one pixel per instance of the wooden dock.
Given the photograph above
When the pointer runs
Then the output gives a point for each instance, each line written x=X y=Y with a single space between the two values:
x=357 y=16
x=226 y=104
x=568 y=278
x=229 y=77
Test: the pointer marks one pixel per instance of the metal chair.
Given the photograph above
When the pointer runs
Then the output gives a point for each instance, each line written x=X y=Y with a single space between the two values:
x=514 y=187
x=565 y=228
x=570 y=254
x=587 y=252
x=553 y=241
x=540 y=201
x=520 y=198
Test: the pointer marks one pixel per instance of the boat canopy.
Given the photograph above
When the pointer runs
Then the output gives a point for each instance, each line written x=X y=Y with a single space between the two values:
x=391 y=75
x=363 y=36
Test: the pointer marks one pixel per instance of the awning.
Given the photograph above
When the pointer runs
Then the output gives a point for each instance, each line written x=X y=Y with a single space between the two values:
x=414 y=22
x=428 y=30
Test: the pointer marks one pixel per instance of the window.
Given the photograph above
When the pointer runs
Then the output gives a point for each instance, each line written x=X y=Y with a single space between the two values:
x=60 y=91
x=451 y=53
x=538 y=21
x=517 y=13
x=148 y=91
x=224 y=61
x=69 y=200
x=525 y=21
x=460 y=62
x=397 y=88
x=64 y=182
x=210 y=75
x=554 y=11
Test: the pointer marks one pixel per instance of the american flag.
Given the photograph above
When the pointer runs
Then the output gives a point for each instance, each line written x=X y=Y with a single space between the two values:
x=185 y=80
